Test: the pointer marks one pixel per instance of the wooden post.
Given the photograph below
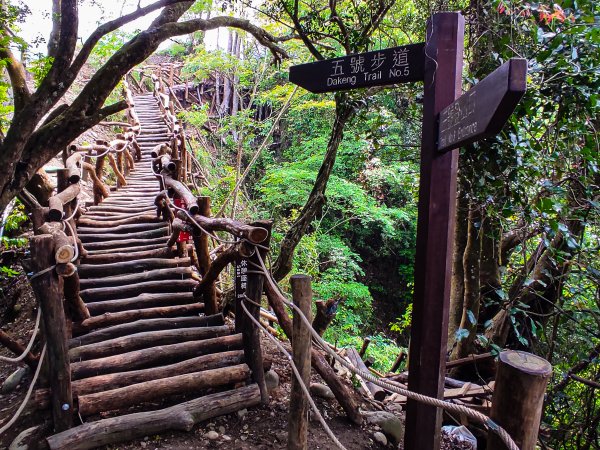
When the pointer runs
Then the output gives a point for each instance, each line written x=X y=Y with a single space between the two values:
x=48 y=289
x=435 y=231
x=202 y=251
x=518 y=398
x=250 y=332
x=301 y=346
x=364 y=347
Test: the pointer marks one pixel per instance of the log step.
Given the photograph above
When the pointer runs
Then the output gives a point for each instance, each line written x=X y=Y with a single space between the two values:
x=176 y=273
x=142 y=301
x=144 y=340
x=179 y=417
x=159 y=355
x=140 y=265
x=125 y=243
x=108 y=319
x=158 y=389
x=145 y=325
x=121 y=292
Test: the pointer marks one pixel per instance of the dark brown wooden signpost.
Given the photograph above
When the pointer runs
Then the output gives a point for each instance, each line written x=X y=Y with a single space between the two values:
x=449 y=121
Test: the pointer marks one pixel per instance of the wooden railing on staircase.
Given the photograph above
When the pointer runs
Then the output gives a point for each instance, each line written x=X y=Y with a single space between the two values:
x=57 y=251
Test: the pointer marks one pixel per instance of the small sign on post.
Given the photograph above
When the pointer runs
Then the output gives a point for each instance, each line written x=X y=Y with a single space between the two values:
x=379 y=68
x=483 y=110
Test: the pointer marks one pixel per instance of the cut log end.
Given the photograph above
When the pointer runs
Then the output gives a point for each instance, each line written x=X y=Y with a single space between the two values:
x=526 y=362
x=64 y=254
x=257 y=235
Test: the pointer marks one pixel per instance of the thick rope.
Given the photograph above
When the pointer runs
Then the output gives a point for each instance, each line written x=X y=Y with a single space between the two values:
x=296 y=374
x=393 y=387
x=22 y=356
x=11 y=422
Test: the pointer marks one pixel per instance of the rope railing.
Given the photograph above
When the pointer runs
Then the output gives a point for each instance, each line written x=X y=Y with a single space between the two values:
x=389 y=385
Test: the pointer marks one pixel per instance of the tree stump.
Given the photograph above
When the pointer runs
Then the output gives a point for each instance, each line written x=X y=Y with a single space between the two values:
x=518 y=398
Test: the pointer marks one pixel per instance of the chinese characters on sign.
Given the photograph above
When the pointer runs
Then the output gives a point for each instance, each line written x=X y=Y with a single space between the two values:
x=483 y=110
x=378 y=68
x=241 y=279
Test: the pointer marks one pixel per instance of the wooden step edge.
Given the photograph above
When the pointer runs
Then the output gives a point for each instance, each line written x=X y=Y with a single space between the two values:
x=179 y=417
x=109 y=319
x=154 y=356
x=146 y=325
x=145 y=339
x=142 y=301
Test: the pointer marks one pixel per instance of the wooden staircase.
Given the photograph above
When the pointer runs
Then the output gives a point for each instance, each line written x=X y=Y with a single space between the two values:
x=147 y=341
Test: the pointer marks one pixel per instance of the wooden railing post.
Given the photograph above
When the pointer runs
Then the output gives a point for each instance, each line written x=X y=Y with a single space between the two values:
x=201 y=244
x=518 y=399
x=301 y=346
x=251 y=333
x=48 y=289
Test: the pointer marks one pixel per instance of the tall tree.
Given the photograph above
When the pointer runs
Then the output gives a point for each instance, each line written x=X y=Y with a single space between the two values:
x=39 y=129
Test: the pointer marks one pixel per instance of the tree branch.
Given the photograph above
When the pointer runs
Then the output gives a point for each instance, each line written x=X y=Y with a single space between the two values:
x=16 y=73
x=111 y=26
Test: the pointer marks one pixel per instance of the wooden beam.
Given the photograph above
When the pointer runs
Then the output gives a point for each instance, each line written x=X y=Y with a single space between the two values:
x=435 y=232
x=179 y=417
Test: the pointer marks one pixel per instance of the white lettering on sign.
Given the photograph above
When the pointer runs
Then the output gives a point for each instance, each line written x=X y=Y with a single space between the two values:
x=357 y=64
x=400 y=57
x=459 y=121
x=337 y=68
x=341 y=80
x=241 y=274
x=377 y=60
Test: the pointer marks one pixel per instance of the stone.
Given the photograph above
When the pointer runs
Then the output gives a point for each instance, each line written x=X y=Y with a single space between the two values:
x=380 y=438
x=272 y=380
x=320 y=390
x=242 y=413
x=144 y=444
x=281 y=436
x=222 y=429
x=212 y=435
x=13 y=380
x=391 y=425
x=20 y=442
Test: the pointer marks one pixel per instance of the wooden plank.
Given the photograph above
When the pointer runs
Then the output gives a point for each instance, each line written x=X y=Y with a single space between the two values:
x=378 y=68
x=483 y=110
x=435 y=233
x=146 y=339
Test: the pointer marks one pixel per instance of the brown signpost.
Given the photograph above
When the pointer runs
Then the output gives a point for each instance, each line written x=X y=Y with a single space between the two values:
x=449 y=121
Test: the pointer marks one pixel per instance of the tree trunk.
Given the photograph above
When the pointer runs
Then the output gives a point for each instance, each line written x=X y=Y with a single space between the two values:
x=471 y=268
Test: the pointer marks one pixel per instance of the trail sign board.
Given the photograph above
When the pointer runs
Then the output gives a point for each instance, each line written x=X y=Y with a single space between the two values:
x=379 y=68
x=483 y=110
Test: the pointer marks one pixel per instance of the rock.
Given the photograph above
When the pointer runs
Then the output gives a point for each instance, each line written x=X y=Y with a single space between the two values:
x=20 y=442
x=281 y=436
x=13 y=380
x=380 y=438
x=242 y=413
x=144 y=444
x=272 y=380
x=391 y=425
x=320 y=390
x=222 y=429
x=226 y=438
x=212 y=435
